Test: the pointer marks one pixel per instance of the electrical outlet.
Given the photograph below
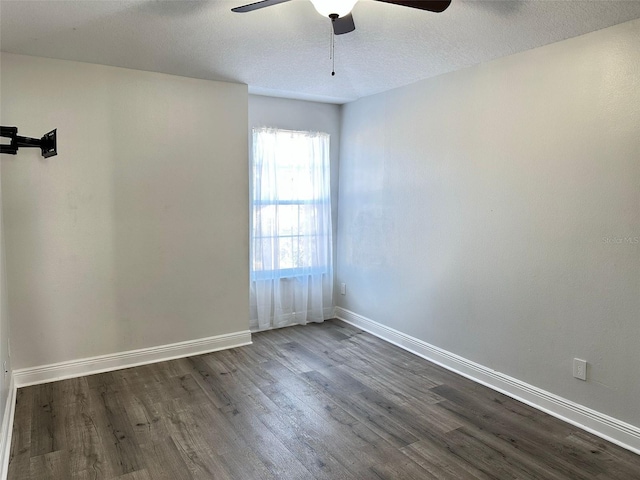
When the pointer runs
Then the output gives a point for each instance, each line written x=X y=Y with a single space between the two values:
x=343 y=289
x=580 y=369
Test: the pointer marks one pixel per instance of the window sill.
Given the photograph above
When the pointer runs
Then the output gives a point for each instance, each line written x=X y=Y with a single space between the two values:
x=288 y=274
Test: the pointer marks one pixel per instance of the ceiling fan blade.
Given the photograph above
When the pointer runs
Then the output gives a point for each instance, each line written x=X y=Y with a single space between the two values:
x=430 y=5
x=343 y=25
x=255 y=6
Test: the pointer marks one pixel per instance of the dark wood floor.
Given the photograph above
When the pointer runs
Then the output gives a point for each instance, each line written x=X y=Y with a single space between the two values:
x=321 y=401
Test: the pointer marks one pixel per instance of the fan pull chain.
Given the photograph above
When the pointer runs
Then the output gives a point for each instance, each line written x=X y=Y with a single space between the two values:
x=332 y=53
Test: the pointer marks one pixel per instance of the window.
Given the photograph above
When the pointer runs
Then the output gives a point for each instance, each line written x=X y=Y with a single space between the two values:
x=291 y=204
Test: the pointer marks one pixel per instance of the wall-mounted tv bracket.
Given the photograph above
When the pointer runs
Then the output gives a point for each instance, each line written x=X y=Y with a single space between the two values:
x=48 y=143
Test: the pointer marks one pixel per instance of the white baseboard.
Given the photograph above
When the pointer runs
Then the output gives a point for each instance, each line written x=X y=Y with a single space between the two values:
x=604 y=426
x=7 y=429
x=104 y=363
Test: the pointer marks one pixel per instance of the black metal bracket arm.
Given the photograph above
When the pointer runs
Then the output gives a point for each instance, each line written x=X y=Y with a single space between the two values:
x=48 y=143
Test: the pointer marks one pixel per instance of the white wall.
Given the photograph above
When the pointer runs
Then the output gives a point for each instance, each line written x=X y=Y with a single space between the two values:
x=303 y=115
x=136 y=234
x=480 y=212
x=5 y=379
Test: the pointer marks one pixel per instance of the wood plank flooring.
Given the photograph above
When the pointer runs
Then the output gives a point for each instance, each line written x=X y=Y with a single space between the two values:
x=323 y=401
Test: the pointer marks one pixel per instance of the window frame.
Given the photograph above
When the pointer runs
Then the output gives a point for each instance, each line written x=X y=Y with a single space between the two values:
x=298 y=271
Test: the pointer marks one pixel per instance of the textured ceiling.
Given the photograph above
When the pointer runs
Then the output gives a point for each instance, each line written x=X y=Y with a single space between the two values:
x=284 y=50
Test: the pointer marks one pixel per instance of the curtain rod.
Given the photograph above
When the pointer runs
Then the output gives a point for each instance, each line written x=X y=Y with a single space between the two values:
x=312 y=132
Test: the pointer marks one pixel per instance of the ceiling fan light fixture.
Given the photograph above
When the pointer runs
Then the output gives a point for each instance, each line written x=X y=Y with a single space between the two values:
x=334 y=7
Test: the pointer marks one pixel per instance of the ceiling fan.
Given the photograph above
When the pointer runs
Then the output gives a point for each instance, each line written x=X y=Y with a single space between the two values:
x=339 y=11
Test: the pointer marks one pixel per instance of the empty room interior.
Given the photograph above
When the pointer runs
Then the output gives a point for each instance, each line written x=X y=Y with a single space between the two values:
x=333 y=239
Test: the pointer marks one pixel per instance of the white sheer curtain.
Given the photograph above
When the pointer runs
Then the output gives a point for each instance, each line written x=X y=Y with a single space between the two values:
x=291 y=239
